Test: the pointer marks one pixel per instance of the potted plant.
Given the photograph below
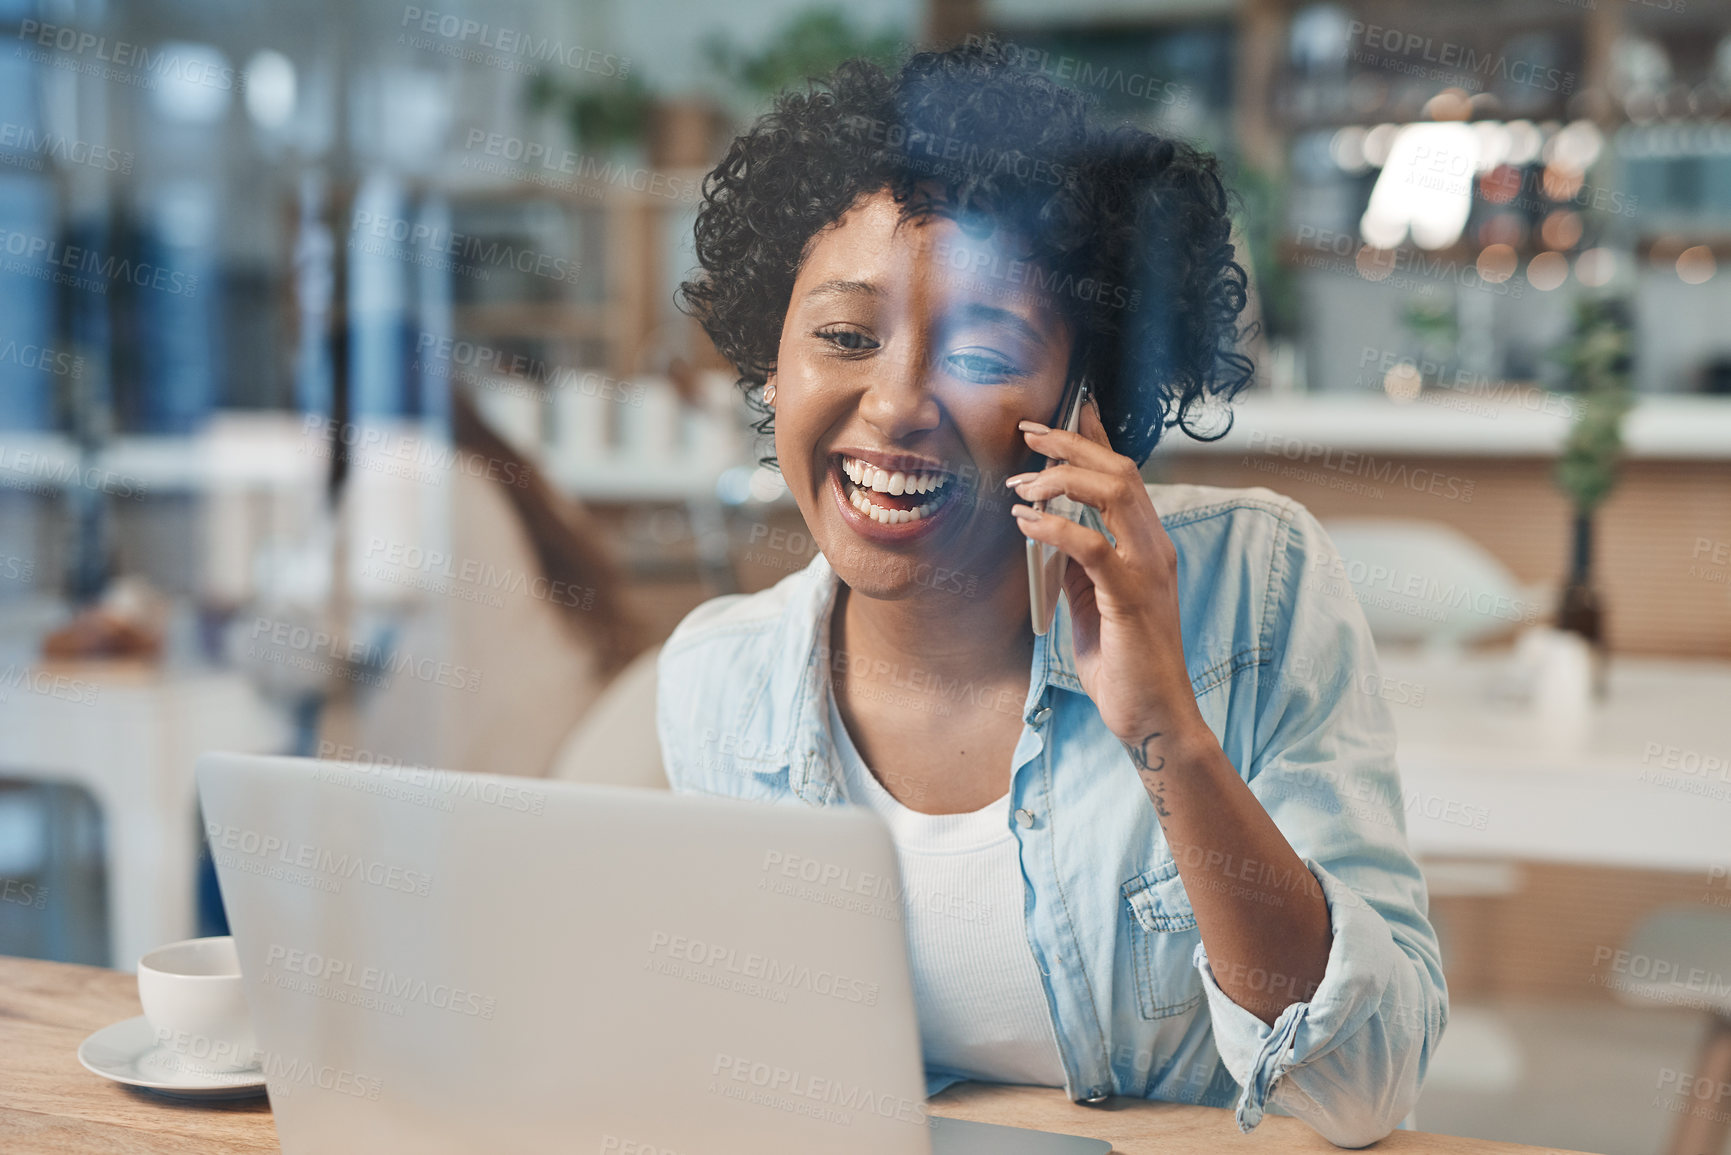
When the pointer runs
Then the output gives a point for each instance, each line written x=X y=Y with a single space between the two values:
x=1596 y=361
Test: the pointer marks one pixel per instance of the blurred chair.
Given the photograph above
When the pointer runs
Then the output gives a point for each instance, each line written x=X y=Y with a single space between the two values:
x=532 y=620
x=1426 y=582
x=615 y=744
x=1693 y=949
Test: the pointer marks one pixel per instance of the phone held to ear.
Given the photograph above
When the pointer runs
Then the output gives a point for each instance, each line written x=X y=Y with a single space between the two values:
x=1046 y=564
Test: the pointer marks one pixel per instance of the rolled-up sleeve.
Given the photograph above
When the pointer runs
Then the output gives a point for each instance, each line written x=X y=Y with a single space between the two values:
x=1351 y=1058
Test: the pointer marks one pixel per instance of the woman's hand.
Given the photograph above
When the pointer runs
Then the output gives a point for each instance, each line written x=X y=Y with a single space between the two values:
x=1124 y=597
x=1130 y=657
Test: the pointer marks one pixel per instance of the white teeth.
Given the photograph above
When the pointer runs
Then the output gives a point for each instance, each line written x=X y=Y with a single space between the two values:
x=869 y=478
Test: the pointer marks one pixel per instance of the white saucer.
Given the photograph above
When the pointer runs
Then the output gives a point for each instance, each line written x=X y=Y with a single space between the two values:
x=127 y=1053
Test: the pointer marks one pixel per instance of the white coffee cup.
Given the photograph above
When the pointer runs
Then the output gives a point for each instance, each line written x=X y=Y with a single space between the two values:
x=195 y=999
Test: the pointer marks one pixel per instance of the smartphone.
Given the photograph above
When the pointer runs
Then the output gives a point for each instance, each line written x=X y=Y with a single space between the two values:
x=1046 y=564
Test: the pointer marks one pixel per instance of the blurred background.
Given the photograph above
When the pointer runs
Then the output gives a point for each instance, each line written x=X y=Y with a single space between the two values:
x=345 y=411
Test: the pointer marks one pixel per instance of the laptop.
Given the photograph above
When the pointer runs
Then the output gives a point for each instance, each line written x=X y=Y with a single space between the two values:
x=442 y=962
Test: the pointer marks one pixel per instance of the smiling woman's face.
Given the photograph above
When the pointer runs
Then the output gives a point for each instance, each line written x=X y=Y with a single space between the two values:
x=899 y=383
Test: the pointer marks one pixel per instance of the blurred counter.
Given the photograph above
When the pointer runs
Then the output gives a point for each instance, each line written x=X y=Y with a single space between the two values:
x=1507 y=420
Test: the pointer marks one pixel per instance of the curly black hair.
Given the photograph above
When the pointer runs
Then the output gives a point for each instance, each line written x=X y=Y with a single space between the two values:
x=1128 y=230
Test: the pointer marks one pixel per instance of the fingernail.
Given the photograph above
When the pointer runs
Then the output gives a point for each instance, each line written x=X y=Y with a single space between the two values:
x=1026 y=511
x=1032 y=427
x=1012 y=482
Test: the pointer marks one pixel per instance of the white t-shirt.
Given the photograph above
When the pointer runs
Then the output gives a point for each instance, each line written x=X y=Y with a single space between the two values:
x=982 y=1007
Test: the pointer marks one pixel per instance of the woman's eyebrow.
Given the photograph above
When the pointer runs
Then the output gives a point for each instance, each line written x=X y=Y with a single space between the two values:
x=991 y=314
x=842 y=289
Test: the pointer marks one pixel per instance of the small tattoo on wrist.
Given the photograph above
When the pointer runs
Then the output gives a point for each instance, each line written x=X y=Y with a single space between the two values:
x=1148 y=768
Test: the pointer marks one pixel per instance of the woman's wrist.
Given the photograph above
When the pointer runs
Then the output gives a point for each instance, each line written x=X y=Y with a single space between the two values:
x=1174 y=732
x=1161 y=749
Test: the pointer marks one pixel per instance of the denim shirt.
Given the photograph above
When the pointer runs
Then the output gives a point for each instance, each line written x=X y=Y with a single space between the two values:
x=1284 y=672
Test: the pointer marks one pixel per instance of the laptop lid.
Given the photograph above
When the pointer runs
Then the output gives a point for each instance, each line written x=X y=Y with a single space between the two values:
x=446 y=962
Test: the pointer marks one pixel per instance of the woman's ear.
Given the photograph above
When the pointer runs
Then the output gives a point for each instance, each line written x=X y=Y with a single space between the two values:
x=1092 y=426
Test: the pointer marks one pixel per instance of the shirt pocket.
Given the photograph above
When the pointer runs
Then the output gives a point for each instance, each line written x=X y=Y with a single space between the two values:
x=1162 y=938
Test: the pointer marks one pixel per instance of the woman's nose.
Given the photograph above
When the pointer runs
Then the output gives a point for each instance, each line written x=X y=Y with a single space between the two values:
x=898 y=400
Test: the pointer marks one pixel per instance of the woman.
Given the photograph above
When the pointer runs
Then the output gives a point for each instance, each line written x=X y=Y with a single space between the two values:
x=1159 y=850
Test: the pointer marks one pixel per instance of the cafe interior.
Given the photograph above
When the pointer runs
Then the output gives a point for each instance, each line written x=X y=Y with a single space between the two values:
x=342 y=376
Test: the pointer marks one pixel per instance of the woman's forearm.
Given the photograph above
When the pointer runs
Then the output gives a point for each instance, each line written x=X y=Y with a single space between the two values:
x=1261 y=912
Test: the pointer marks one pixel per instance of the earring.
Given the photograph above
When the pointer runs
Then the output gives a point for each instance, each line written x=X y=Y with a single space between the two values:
x=769 y=394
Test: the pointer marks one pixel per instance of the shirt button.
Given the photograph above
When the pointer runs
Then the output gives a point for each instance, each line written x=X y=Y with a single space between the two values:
x=1024 y=818
x=1040 y=716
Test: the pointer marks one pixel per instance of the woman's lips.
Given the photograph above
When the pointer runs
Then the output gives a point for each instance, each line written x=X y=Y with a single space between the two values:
x=870 y=507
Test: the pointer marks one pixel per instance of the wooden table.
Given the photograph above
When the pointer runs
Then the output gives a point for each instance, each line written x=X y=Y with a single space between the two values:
x=49 y=1103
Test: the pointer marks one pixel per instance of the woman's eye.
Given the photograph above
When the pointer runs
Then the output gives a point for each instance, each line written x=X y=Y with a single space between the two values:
x=852 y=340
x=981 y=367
